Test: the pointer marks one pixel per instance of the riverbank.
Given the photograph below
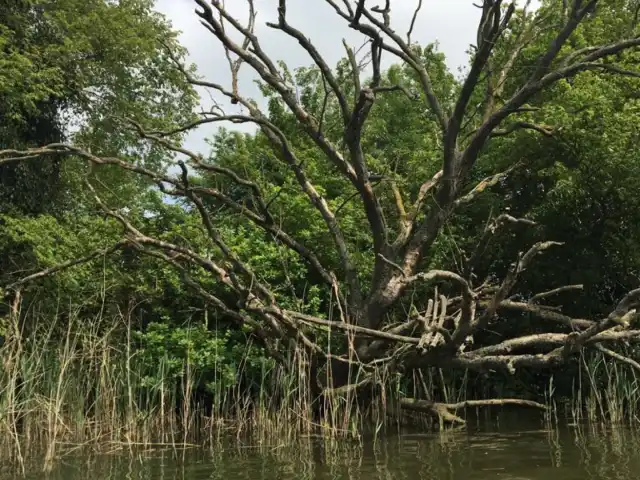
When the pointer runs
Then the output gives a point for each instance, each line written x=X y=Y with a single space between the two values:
x=93 y=388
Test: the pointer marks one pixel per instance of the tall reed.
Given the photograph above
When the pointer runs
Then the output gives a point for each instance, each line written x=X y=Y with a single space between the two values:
x=605 y=391
x=83 y=384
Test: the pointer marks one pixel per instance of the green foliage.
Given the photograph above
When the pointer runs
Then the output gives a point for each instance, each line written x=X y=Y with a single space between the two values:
x=73 y=68
x=193 y=349
x=215 y=360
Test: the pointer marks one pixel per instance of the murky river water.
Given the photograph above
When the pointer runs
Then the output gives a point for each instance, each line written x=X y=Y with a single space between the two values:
x=488 y=453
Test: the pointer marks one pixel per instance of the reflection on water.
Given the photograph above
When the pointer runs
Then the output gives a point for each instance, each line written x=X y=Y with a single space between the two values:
x=489 y=453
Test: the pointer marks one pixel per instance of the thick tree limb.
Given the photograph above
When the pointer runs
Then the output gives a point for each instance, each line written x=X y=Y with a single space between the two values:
x=425 y=188
x=553 y=340
x=577 y=14
x=621 y=315
x=355 y=71
x=506 y=362
x=492 y=25
x=405 y=233
x=353 y=139
x=355 y=329
x=496 y=83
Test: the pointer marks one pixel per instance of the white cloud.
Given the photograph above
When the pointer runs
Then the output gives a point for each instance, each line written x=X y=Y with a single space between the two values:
x=451 y=23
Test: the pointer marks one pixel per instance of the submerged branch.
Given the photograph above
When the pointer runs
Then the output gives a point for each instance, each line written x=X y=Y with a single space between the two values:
x=445 y=411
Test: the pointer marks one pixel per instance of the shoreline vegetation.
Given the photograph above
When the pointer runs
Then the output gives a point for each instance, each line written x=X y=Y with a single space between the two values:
x=391 y=244
x=87 y=391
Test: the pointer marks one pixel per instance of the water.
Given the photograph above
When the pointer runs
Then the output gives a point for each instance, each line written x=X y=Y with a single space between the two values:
x=489 y=453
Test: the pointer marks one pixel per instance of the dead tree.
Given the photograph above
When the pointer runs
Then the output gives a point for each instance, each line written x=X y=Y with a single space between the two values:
x=442 y=334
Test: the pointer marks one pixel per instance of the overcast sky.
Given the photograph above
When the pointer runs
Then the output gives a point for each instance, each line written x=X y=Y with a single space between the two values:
x=452 y=23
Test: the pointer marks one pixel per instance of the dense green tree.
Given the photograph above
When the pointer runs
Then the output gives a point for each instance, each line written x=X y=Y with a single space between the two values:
x=76 y=70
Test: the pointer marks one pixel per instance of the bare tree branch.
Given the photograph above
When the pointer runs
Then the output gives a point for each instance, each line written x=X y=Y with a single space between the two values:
x=490 y=229
x=485 y=183
x=514 y=126
x=314 y=54
x=403 y=51
x=547 y=340
x=509 y=281
x=264 y=67
x=577 y=14
x=443 y=411
x=621 y=358
x=100 y=252
x=492 y=25
x=555 y=291
x=545 y=314
x=413 y=21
